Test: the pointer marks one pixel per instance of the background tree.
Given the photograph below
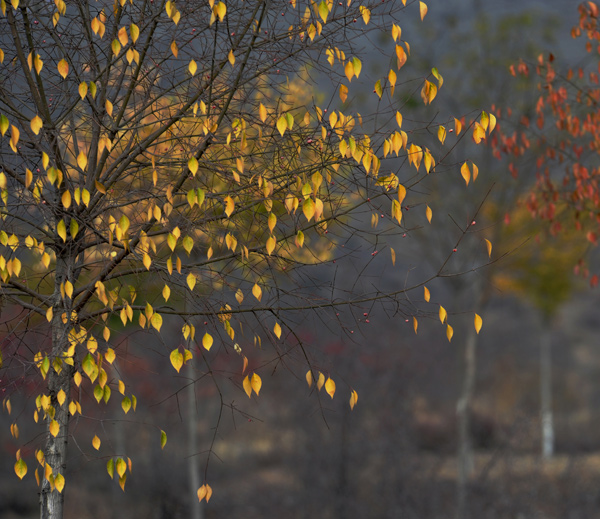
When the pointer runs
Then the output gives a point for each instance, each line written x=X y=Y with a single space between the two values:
x=160 y=171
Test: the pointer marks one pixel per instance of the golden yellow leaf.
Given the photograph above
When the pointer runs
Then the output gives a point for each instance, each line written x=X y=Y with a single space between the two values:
x=176 y=359
x=449 y=332
x=415 y=324
x=475 y=172
x=277 y=330
x=270 y=246
x=457 y=126
x=192 y=67
x=343 y=93
x=61 y=230
x=393 y=254
x=63 y=68
x=66 y=199
x=59 y=482
x=426 y=294
x=429 y=214
x=309 y=378
x=443 y=314
x=353 y=399
x=247 y=386
x=282 y=125
x=488 y=244
x=231 y=58
x=20 y=468
x=156 y=321
x=53 y=428
x=349 y=70
x=257 y=292
x=191 y=281
x=441 y=134
x=256 y=383
x=123 y=37
x=96 y=442
x=330 y=387
x=207 y=341
x=320 y=381
x=466 y=173
x=36 y=124
x=422 y=9
x=229 y=206
x=478 y=322
x=262 y=112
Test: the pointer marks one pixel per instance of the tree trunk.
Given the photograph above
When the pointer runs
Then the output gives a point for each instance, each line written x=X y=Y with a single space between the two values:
x=463 y=414
x=196 y=509
x=59 y=379
x=546 y=391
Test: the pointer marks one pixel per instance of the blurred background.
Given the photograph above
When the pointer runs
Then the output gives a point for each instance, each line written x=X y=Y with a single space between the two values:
x=408 y=449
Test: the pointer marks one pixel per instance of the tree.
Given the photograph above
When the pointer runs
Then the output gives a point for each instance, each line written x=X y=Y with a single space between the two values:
x=164 y=165
x=562 y=146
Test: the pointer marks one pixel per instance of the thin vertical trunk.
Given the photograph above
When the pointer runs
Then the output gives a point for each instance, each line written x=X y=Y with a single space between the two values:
x=463 y=412
x=546 y=391
x=59 y=379
x=196 y=510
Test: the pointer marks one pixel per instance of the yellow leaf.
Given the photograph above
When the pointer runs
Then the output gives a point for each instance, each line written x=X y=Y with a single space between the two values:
x=156 y=321
x=309 y=378
x=66 y=199
x=343 y=93
x=221 y=10
x=443 y=314
x=478 y=323
x=429 y=214
x=14 y=137
x=262 y=112
x=247 y=386
x=63 y=68
x=192 y=67
x=282 y=124
x=123 y=37
x=320 y=381
x=353 y=399
x=426 y=294
x=257 y=292
x=207 y=341
x=53 y=428
x=349 y=70
x=96 y=442
x=61 y=397
x=488 y=244
x=61 y=230
x=191 y=281
x=176 y=359
x=449 y=332
x=20 y=468
x=422 y=9
x=134 y=30
x=229 y=206
x=457 y=126
x=277 y=330
x=415 y=324
x=109 y=108
x=270 y=245
x=441 y=134
x=49 y=313
x=59 y=482
x=393 y=254
x=36 y=124
x=256 y=383
x=163 y=439
x=475 y=172
x=231 y=58
x=330 y=387
x=466 y=173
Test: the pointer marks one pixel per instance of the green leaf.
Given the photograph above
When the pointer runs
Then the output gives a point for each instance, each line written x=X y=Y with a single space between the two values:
x=163 y=439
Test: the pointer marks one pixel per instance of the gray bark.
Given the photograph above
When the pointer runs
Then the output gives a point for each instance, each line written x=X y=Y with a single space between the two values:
x=547 y=421
x=55 y=449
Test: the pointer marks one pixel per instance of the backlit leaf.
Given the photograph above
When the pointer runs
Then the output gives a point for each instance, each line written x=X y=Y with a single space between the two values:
x=422 y=9
x=429 y=214
x=353 y=399
x=36 y=124
x=20 y=468
x=426 y=294
x=176 y=359
x=488 y=244
x=478 y=322
x=443 y=314
x=277 y=330
x=59 y=482
x=247 y=386
x=309 y=378
x=63 y=68
x=449 y=332
x=257 y=292
x=330 y=387
x=163 y=439
x=466 y=173
x=192 y=67
x=207 y=341
x=96 y=442
x=256 y=383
